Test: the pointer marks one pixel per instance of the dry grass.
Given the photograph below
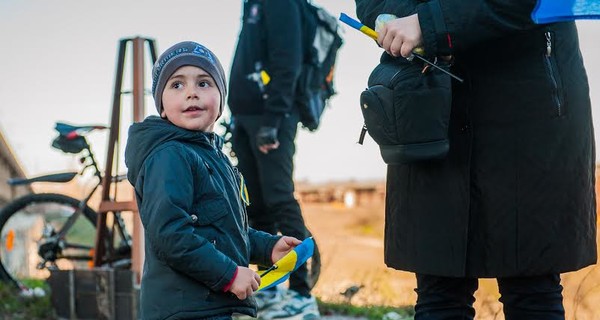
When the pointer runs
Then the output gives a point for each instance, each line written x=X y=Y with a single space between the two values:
x=351 y=245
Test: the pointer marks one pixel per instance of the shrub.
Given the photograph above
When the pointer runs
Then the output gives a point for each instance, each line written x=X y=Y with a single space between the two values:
x=16 y=306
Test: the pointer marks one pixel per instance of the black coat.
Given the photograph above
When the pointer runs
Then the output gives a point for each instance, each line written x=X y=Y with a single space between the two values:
x=195 y=224
x=515 y=195
x=270 y=40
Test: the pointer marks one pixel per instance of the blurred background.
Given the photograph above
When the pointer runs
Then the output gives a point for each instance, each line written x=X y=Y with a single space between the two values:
x=58 y=61
x=59 y=57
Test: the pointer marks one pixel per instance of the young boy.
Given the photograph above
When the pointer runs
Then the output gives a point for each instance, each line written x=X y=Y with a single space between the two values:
x=191 y=200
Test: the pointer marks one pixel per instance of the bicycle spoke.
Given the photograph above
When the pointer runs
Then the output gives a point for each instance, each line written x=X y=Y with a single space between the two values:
x=68 y=245
x=77 y=257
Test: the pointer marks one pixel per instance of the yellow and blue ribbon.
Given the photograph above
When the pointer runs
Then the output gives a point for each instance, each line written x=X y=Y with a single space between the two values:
x=280 y=270
x=358 y=26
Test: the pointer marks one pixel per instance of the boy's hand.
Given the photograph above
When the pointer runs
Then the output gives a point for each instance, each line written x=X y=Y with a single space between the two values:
x=283 y=246
x=245 y=283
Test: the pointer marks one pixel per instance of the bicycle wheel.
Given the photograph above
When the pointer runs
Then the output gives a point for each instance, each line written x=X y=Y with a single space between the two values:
x=44 y=231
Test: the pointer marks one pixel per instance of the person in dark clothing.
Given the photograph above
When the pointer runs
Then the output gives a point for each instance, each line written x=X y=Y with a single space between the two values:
x=197 y=240
x=263 y=78
x=514 y=198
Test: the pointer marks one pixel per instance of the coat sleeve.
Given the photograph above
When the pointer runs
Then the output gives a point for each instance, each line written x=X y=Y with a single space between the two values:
x=261 y=246
x=368 y=10
x=450 y=26
x=168 y=188
x=284 y=57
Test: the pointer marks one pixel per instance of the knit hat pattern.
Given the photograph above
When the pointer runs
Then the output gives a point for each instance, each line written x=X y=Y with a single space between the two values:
x=186 y=53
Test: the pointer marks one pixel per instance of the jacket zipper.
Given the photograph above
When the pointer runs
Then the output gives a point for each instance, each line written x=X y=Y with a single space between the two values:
x=236 y=177
x=213 y=144
x=242 y=202
x=552 y=72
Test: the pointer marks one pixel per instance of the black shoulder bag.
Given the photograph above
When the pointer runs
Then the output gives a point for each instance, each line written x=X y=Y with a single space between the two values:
x=407 y=110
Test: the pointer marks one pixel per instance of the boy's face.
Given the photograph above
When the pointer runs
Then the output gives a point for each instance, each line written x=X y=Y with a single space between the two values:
x=191 y=99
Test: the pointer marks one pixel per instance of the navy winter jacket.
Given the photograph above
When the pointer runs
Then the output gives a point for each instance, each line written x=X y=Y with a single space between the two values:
x=195 y=223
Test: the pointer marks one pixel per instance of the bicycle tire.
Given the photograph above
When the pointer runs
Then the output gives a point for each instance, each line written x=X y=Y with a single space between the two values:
x=19 y=224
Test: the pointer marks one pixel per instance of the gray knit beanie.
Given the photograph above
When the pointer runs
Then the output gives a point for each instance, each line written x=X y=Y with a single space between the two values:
x=187 y=53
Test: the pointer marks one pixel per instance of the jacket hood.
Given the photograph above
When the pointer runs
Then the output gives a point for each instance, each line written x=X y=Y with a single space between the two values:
x=154 y=131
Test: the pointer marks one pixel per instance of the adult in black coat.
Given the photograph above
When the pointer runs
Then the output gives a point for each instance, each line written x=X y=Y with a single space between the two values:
x=514 y=198
x=264 y=72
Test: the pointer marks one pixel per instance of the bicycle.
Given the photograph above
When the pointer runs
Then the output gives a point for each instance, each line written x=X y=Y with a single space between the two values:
x=52 y=231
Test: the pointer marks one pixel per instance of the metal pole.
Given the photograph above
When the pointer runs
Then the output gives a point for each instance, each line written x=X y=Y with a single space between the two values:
x=137 y=250
x=101 y=231
x=138 y=79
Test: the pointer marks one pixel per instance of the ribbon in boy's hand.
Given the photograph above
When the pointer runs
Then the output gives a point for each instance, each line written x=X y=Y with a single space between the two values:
x=280 y=270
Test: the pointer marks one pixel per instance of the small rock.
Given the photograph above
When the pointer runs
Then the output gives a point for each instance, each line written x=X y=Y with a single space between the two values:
x=30 y=293
x=392 y=316
x=39 y=292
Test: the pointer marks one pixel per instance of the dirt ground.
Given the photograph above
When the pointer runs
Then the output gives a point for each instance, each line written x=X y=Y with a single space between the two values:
x=351 y=246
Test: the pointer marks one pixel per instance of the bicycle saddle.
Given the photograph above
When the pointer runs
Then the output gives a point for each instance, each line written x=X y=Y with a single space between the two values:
x=71 y=131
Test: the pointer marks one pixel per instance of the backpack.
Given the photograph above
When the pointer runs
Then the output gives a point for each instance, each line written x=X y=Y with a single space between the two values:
x=321 y=43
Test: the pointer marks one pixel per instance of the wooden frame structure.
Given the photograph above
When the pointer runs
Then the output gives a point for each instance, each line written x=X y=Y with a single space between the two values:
x=108 y=203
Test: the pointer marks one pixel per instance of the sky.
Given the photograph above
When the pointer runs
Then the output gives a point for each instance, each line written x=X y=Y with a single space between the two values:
x=58 y=63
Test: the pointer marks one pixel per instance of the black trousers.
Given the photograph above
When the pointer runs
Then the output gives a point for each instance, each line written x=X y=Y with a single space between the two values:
x=523 y=298
x=269 y=179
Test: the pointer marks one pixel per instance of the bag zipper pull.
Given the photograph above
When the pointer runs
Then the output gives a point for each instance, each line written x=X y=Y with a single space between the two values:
x=548 y=44
x=363 y=131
